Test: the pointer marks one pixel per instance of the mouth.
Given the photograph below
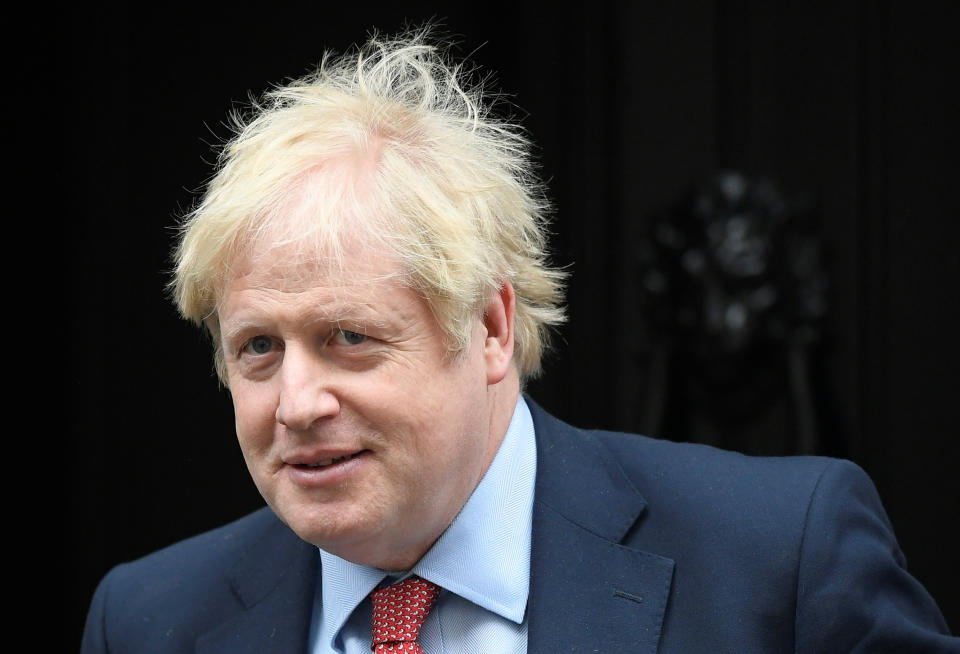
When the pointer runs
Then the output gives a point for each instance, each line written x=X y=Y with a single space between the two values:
x=324 y=463
x=327 y=462
x=310 y=471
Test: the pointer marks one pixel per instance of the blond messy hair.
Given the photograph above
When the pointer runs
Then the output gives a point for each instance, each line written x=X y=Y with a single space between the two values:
x=388 y=144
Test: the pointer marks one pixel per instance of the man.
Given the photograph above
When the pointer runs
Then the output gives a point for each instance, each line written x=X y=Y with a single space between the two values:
x=369 y=260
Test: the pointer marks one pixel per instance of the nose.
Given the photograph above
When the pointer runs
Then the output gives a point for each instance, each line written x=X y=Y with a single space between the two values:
x=305 y=393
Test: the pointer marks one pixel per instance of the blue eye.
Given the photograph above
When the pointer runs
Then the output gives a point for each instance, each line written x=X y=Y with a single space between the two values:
x=347 y=337
x=259 y=345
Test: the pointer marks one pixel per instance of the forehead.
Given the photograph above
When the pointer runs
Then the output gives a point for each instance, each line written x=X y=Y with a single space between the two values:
x=361 y=293
x=350 y=272
x=297 y=267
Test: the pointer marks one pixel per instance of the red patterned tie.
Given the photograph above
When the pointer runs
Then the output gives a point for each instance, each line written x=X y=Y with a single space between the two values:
x=398 y=613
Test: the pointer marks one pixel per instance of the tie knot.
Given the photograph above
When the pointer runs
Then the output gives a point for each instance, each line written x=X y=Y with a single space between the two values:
x=398 y=614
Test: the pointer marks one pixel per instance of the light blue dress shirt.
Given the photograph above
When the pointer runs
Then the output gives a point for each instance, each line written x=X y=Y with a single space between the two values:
x=482 y=561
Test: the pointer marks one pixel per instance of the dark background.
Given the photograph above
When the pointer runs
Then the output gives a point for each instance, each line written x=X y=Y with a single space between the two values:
x=850 y=104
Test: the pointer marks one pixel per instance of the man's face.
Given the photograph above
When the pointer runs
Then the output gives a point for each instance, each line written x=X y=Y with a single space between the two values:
x=361 y=432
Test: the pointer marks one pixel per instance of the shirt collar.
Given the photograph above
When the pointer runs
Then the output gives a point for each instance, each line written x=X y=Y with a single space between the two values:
x=483 y=556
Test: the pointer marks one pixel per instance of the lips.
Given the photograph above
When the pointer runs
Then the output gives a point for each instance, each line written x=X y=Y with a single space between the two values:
x=327 y=462
x=317 y=460
x=328 y=469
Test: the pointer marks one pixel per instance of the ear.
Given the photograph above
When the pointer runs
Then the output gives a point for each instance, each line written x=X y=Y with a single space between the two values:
x=498 y=345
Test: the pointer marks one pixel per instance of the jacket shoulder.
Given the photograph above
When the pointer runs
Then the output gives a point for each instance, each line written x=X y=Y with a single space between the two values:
x=797 y=548
x=747 y=504
x=704 y=470
x=179 y=591
x=675 y=478
x=202 y=559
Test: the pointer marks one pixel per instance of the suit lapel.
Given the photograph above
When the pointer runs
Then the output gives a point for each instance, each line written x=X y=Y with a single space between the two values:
x=275 y=581
x=587 y=591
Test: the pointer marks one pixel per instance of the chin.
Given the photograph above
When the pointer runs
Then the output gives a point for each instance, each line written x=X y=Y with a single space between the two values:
x=327 y=529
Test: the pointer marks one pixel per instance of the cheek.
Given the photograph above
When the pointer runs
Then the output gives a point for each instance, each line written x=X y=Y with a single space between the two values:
x=457 y=421
x=254 y=417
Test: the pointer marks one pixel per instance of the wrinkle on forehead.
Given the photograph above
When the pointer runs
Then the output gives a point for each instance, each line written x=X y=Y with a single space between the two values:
x=358 y=290
x=293 y=268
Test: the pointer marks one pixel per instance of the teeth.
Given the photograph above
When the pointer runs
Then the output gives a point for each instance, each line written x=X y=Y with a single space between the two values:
x=324 y=464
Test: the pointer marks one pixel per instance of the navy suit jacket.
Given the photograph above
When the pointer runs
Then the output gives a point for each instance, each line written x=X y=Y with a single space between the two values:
x=639 y=545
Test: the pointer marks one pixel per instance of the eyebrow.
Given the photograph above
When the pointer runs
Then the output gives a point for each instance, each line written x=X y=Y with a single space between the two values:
x=343 y=312
x=236 y=328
